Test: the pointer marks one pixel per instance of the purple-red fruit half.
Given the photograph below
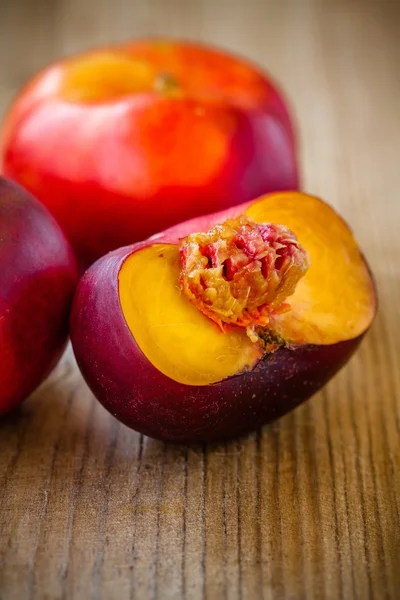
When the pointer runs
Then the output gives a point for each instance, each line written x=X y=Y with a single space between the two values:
x=38 y=277
x=223 y=323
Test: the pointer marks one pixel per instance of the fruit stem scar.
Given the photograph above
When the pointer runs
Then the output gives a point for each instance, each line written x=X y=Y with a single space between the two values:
x=240 y=272
x=166 y=83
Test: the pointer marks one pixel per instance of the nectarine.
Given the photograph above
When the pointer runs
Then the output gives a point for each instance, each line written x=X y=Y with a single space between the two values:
x=125 y=141
x=222 y=323
x=38 y=277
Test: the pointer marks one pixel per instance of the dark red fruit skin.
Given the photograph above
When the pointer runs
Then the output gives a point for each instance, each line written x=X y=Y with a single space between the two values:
x=142 y=398
x=38 y=277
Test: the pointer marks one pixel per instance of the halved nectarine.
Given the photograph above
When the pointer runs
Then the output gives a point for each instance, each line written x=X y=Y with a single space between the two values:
x=38 y=276
x=144 y=135
x=222 y=323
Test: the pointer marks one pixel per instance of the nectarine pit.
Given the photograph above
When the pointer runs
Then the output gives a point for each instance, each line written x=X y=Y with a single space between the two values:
x=240 y=272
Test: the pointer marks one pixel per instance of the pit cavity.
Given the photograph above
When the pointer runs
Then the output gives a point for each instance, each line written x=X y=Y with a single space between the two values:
x=240 y=272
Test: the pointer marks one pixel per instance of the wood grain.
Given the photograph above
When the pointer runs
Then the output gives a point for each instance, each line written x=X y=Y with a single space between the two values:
x=308 y=508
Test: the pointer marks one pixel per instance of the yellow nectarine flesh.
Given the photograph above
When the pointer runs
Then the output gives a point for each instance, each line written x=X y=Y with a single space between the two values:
x=172 y=333
x=335 y=301
x=329 y=299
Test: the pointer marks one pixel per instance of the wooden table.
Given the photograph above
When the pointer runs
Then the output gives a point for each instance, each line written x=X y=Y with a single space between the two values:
x=308 y=507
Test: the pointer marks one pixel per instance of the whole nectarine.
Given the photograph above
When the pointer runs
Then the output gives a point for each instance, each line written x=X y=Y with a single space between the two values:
x=125 y=141
x=38 y=277
x=224 y=322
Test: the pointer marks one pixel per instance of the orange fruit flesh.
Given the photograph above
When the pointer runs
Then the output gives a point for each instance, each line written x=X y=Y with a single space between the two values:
x=333 y=302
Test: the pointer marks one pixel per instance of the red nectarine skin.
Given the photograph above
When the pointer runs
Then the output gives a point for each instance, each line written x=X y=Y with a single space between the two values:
x=37 y=280
x=143 y=398
x=162 y=403
x=131 y=149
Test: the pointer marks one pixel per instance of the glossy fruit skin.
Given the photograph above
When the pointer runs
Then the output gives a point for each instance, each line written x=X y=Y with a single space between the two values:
x=38 y=277
x=146 y=162
x=146 y=400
